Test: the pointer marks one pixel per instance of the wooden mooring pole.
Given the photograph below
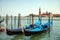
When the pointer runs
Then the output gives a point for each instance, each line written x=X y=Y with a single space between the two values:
x=11 y=22
x=40 y=16
x=27 y=19
x=49 y=23
x=52 y=19
x=0 y=19
x=7 y=20
x=32 y=19
x=19 y=20
x=14 y=21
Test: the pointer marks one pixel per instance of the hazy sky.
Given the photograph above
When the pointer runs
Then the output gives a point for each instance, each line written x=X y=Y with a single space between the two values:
x=25 y=7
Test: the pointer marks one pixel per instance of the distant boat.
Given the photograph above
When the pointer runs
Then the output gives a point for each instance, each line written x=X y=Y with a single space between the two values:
x=18 y=30
x=34 y=29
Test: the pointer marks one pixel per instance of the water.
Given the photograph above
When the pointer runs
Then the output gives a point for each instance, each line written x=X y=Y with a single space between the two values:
x=54 y=33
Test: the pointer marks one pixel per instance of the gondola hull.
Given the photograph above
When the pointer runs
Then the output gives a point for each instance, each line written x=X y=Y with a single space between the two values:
x=27 y=33
x=13 y=31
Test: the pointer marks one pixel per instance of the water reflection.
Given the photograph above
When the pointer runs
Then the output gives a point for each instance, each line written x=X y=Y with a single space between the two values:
x=32 y=37
x=17 y=37
x=39 y=36
x=21 y=37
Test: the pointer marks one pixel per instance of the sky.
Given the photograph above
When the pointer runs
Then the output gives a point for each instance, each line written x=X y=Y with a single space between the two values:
x=26 y=7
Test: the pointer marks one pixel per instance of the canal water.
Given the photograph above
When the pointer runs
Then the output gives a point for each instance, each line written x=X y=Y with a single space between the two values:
x=53 y=35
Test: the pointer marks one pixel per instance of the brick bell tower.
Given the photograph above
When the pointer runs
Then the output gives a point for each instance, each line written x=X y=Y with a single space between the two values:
x=39 y=11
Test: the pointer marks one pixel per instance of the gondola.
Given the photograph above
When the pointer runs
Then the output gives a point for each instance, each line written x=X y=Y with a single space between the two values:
x=35 y=29
x=14 y=31
x=18 y=30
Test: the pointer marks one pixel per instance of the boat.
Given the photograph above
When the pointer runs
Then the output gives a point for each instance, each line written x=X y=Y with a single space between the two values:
x=14 y=31
x=18 y=30
x=35 y=29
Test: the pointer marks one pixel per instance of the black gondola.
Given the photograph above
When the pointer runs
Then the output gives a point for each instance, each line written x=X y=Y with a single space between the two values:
x=14 y=31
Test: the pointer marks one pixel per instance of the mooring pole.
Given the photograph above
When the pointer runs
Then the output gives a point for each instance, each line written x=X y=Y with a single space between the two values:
x=32 y=19
x=49 y=23
x=0 y=19
x=19 y=20
x=40 y=16
x=52 y=19
x=11 y=22
x=27 y=19
x=15 y=21
x=6 y=21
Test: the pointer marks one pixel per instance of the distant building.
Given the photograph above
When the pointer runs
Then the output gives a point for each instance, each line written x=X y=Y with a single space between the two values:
x=44 y=14
x=56 y=15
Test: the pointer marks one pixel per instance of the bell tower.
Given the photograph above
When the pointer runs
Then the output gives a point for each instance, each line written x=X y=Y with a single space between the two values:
x=39 y=11
x=40 y=18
